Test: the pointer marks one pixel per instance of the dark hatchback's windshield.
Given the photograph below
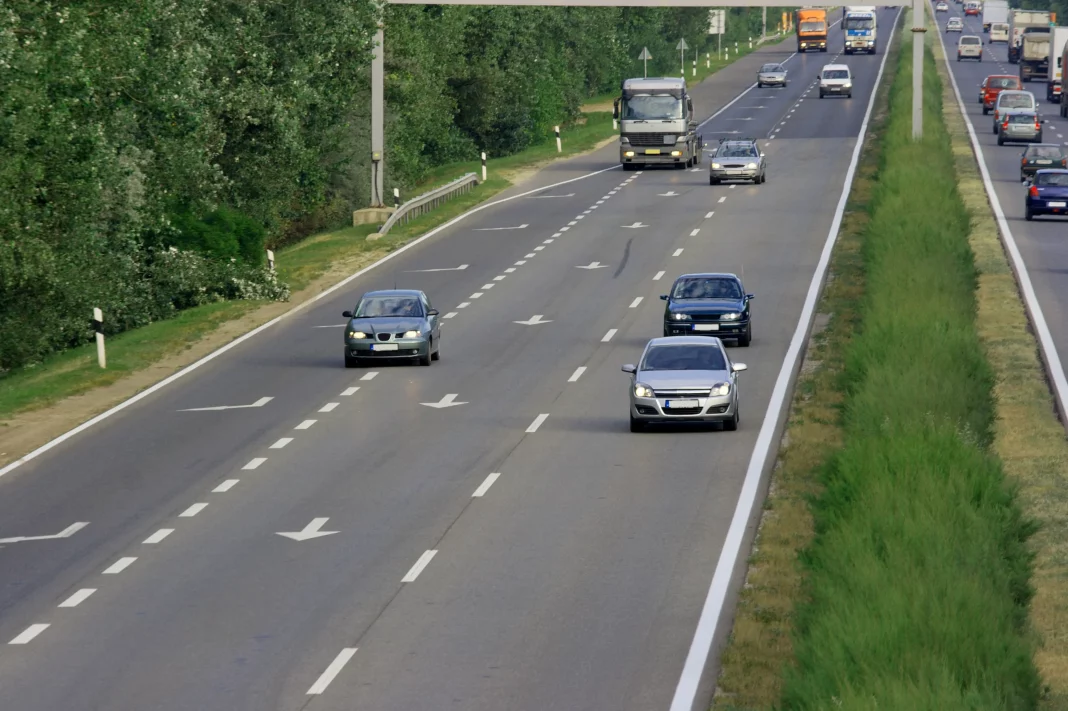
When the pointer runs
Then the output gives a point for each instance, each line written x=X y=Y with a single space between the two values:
x=707 y=288
x=386 y=306
x=689 y=357
x=1053 y=180
x=1044 y=152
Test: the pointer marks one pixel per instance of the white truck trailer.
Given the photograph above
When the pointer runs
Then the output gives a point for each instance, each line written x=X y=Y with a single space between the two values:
x=1020 y=20
x=995 y=11
x=1058 y=40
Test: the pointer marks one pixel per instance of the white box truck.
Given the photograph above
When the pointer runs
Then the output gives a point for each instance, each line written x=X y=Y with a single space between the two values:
x=1034 y=56
x=995 y=11
x=1020 y=20
x=1058 y=40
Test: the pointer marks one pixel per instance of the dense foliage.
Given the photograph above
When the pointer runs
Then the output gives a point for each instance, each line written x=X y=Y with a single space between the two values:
x=219 y=126
x=1058 y=6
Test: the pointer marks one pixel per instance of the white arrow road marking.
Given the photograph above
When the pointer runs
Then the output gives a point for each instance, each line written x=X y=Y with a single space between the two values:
x=635 y=226
x=484 y=486
x=423 y=562
x=259 y=403
x=495 y=229
x=546 y=197
x=65 y=533
x=447 y=401
x=29 y=633
x=669 y=193
x=308 y=532
x=332 y=671
x=593 y=265
x=449 y=269
x=533 y=320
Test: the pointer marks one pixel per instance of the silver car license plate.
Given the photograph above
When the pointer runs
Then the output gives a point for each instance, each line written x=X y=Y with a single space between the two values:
x=706 y=327
x=671 y=404
x=385 y=347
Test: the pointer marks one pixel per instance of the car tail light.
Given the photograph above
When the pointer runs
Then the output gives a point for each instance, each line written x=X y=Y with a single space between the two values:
x=1064 y=162
x=1038 y=125
x=1023 y=161
x=1005 y=123
x=1033 y=192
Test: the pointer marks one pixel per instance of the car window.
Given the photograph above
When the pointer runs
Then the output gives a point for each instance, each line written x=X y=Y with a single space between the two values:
x=771 y=68
x=1044 y=152
x=1004 y=83
x=969 y=40
x=1015 y=101
x=1021 y=118
x=737 y=151
x=707 y=288
x=687 y=357
x=836 y=74
x=1058 y=180
x=384 y=306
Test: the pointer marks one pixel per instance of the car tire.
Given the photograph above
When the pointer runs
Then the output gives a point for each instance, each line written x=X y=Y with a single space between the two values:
x=351 y=362
x=849 y=95
x=746 y=339
x=1028 y=215
x=425 y=360
x=985 y=111
x=628 y=166
x=760 y=85
x=636 y=425
x=436 y=355
x=713 y=181
x=732 y=424
x=1001 y=140
x=764 y=178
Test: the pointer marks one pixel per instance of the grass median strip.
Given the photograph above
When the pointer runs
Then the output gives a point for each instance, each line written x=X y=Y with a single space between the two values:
x=892 y=570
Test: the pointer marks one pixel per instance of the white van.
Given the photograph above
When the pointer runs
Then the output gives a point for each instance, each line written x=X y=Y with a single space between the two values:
x=999 y=32
x=1012 y=101
x=836 y=80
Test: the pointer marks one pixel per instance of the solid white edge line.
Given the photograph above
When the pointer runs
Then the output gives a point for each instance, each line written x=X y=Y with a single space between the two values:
x=705 y=633
x=118 y=566
x=77 y=598
x=29 y=633
x=485 y=485
x=332 y=671
x=1023 y=278
x=538 y=421
x=420 y=565
x=159 y=535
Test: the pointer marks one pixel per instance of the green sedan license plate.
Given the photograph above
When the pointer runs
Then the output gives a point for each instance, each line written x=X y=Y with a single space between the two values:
x=385 y=347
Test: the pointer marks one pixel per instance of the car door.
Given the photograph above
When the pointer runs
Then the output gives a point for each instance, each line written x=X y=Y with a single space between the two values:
x=435 y=320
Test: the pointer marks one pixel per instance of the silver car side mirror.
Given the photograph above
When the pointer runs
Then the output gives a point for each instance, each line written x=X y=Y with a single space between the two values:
x=738 y=367
x=628 y=368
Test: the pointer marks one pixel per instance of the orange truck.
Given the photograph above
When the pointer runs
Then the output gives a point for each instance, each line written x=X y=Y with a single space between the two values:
x=811 y=29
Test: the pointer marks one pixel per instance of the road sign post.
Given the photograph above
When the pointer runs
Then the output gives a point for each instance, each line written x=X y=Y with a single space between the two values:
x=682 y=47
x=645 y=57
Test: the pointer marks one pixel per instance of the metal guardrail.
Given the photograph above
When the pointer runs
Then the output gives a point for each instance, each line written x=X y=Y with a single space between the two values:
x=428 y=201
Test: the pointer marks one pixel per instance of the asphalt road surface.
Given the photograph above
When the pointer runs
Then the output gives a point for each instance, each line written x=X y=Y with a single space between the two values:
x=520 y=549
x=1041 y=241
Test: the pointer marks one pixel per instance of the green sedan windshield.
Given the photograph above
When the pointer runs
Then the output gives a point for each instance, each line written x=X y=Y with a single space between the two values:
x=385 y=306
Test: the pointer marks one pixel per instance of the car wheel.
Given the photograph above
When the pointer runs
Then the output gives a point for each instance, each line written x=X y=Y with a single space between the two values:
x=636 y=425
x=713 y=181
x=628 y=166
x=1001 y=140
x=351 y=362
x=985 y=111
x=760 y=85
x=1028 y=215
x=995 y=129
x=436 y=355
x=849 y=95
x=821 y=94
x=425 y=360
x=732 y=424
x=745 y=339
x=764 y=178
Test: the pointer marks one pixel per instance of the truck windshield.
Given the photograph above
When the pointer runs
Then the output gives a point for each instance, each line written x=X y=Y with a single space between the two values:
x=646 y=108
x=858 y=23
x=812 y=26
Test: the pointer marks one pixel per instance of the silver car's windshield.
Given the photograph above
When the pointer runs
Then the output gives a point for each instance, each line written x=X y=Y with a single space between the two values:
x=688 y=357
x=1022 y=118
x=1059 y=180
x=770 y=68
x=737 y=152
x=385 y=306
x=646 y=108
x=707 y=288
x=1015 y=101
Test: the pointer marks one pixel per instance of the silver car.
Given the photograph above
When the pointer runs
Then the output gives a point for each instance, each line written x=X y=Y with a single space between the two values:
x=738 y=159
x=1019 y=126
x=771 y=75
x=684 y=379
x=954 y=25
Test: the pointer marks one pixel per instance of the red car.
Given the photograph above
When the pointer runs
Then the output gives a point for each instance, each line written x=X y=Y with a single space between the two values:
x=971 y=8
x=994 y=85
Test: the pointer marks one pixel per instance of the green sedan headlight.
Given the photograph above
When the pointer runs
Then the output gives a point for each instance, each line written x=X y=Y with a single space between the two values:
x=681 y=317
x=731 y=317
x=751 y=166
x=357 y=334
x=720 y=389
x=411 y=334
x=643 y=390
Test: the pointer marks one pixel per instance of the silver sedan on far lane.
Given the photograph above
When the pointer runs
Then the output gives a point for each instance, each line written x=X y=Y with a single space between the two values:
x=771 y=75
x=684 y=379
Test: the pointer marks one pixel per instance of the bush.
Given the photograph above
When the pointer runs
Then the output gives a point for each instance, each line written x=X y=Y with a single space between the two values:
x=223 y=234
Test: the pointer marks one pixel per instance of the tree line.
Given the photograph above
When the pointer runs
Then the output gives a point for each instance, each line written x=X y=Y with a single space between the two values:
x=153 y=149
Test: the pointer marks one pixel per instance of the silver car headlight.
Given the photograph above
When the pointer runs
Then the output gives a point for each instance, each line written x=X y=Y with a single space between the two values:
x=681 y=317
x=715 y=166
x=731 y=317
x=642 y=390
x=751 y=166
x=357 y=334
x=720 y=389
x=412 y=334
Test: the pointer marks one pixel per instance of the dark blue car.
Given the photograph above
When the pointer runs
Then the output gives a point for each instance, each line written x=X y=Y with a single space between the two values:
x=1048 y=194
x=709 y=305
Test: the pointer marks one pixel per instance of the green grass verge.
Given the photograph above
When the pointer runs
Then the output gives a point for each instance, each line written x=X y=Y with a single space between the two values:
x=918 y=575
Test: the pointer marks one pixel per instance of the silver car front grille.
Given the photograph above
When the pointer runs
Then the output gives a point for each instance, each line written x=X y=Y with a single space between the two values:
x=683 y=393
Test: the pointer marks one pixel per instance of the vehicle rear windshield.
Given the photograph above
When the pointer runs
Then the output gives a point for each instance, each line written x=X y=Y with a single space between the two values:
x=707 y=288
x=1021 y=118
x=1058 y=180
x=1003 y=83
x=969 y=40
x=684 y=357
x=737 y=151
x=1015 y=101
x=1044 y=152
x=385 y=306
x=836 y=74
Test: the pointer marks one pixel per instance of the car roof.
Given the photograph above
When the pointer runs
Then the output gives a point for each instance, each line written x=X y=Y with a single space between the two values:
x=393 y=292
x=685 y=341
x=964 y=37
x=1044 y=145
x=835 y=66
x=710 y=275
x=1004 y=76
x=1052 y=171
x=1011 y=92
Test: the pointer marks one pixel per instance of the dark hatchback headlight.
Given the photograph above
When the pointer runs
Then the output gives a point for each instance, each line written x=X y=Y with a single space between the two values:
x=680 y=317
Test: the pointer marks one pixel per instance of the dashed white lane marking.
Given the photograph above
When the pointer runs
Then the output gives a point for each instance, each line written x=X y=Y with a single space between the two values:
x=29 y=633
x=572 y=223
x=564 y=229
x=423 y=562
x=305 y=425
x=159 y=535
x=332 y=671
x=451 y=314
x=731 y=187
x=487 y=287
x=577 y=374
x=600 y=202
x=658 y=275
x=634 y=304
x=476 y=295
x=538 y=422
x=255 y=463
x=695 y=232
x=370 y=376
x=548 y=241
x=539 y=248
x=78 y=598
x=350 y=391
x=608 y=336
x=509 y=270
x=281 y=443
x=193 y=510
x=529 y=256
x=521 y=262
x=484 y=486
x=118 y=566
x=557 y=234
x=329 y=407
x=500 y=277
x=225 y=486
x=677 y=252
x=723 y=198
x=580 y=217
x=463 y=305
x=586 y=212
x=709 y=215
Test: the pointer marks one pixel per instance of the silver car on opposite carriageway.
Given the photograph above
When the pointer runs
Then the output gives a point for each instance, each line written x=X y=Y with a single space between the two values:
x=684 y=379
x=771 y=75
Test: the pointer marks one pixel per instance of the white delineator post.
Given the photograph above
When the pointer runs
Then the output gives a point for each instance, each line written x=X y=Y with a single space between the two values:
x=559 y=146
x=98 y=327
x=918 y=31
x=483 y=166
x=694 y=68
x=396 y=197
x=270 y=259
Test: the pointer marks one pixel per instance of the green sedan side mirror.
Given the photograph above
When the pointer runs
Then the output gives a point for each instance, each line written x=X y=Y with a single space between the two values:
x=432 y=312
x=663 y=297
x=346 y=314
x=628 y=368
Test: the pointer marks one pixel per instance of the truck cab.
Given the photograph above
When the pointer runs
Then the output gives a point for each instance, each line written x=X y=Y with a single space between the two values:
x=656 y=124
x=859 y=26
x=811 y=29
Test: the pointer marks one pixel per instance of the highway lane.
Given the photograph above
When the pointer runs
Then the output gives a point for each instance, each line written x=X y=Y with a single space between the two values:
x=1041 y=241
x=224 y=614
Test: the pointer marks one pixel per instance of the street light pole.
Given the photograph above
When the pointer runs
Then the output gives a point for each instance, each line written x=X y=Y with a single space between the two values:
x=378 y=139
x=918 y=30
